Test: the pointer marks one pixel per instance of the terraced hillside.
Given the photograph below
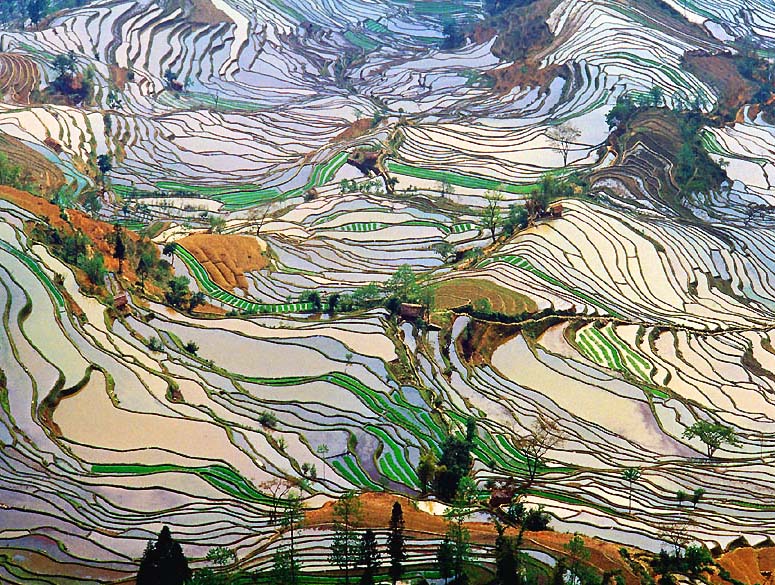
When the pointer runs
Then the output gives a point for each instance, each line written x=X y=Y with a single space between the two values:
x=305 y=244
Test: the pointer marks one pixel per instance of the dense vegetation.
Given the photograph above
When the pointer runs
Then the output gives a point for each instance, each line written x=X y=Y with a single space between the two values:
x=14 y=175
x=14 y=11
x=75 y=248
x=521 y=26
x=694 y=171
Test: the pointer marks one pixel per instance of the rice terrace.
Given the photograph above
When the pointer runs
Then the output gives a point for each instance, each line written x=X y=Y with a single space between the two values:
x=309 y=292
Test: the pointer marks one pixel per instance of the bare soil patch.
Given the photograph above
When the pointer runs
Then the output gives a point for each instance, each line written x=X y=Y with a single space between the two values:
x=227 y=257
x=458 y=292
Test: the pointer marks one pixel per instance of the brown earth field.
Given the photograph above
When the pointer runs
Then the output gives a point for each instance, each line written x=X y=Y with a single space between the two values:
x=355 y=130
x=375 y=513
x=42 y=172
x=226 y=257
x=19 y=76
x=720 y=71
x=748 y=565
x=458 y=292
x=206 y=13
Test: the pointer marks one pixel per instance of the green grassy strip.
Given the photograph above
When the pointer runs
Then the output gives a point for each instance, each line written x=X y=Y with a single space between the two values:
x=37 y=271
x=222 y=478
x=404 y=471
x=240 y=197
x=208 y=286
x=458 y=179
x=375 y=27
x=361 y=40
x=351 y=471
x=635 y=361
x=524 y=264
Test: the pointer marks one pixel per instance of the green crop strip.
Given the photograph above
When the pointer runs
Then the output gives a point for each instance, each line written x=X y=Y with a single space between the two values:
x=458 y=179
x=42 y=276
x=222 y=478
x=208 y=286
x=522 y=263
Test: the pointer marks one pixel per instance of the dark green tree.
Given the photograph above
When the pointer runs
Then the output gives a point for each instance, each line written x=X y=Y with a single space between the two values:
x=370 y=557
x=508 y=569
x=445 y=559
x=345 y=546
x=163 y=562
x=145 y=266
x=579 y=554
x=177 y=291
x=119 y=248
x=426 y=471
x=396 y=544
x=37 y=10
x=196 y=299
x=285 y=568
x=455 y=462
x=104 y=165
x=291 y=520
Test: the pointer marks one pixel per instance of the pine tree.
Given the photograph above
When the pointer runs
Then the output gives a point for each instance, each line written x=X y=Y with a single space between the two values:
x=163 y=562
x=445 y=559
x=119 y=249
x=396 y=544
x=344 y=548
x=369 y=557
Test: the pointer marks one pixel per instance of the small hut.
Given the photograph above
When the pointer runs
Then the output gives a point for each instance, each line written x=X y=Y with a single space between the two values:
x=121 y=301
x=53 y=144
x=411 y=312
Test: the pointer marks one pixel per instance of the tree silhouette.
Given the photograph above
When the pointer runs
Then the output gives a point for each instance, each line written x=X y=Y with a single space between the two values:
x=163 y=562
x=712 y=434
x=396 y=544
x=344 y=548
x=631 y=474
x=119 y=248
x=563 y=137
x=369 y=557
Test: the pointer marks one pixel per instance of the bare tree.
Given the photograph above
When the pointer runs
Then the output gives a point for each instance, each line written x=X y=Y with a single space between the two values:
x=278 y=488
x=677 y=534
x=259 y=216
x=543 y=436
x=491 y=214
x=563 y=137
x=446 y=189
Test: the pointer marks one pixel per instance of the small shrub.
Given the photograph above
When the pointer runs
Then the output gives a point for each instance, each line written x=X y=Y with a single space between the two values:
x=267 y=419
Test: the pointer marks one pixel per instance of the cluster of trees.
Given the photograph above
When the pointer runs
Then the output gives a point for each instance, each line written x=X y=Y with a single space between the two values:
x=14 y=175
x=454 y=35
x=361 y=558
x=351 y=550
x=692 y=560
x=76 y=87
x=694 y=170
x=401 y=287
x=444 y=476
x=519 y=217
x=75 y=249
x=358 y=554
x=180 y=296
